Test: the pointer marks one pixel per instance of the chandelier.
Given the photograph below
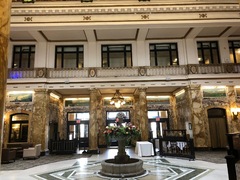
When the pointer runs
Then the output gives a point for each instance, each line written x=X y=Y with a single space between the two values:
x=117 y=99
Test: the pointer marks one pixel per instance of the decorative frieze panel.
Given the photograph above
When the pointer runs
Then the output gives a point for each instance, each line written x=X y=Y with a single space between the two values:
x=141 y=9
x=112 y=13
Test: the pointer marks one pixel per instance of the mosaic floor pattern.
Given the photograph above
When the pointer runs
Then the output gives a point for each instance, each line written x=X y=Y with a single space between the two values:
x=156 y=168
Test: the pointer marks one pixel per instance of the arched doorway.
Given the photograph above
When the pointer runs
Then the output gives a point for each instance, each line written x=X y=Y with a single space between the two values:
x=217 y=127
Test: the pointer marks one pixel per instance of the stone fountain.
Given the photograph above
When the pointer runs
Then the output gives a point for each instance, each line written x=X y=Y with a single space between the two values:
x=122 y=165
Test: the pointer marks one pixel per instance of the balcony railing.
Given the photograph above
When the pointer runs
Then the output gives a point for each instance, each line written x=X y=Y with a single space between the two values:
x=123 y=72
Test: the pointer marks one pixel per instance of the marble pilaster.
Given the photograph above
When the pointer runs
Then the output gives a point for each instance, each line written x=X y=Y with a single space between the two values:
x=5 y=14
x=173 y=113
x=39 y=124
x=143 y=124
x=233 y=124
x=101 y=121
x=56 y=116
x=93 y=125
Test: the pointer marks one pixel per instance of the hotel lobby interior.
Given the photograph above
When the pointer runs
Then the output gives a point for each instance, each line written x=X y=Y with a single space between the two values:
x=79 y=75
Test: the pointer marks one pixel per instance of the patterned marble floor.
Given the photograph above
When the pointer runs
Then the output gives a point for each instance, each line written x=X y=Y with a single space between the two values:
x=157 y=168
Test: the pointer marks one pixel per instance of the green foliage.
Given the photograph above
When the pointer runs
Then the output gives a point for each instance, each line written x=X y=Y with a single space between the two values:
x=127 y=132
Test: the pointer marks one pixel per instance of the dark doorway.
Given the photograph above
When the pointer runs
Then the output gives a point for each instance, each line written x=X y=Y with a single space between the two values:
x=19 y=127
x=217 y=127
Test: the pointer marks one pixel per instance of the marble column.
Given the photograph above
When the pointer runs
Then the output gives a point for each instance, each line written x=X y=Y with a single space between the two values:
x=143 y=114
x=39 y=123
x=93 y=124
x=5 y=15
x=136 y=111
x=198 y=116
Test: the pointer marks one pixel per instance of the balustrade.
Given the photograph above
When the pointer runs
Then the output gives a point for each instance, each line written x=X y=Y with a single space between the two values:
x=21 y=73
x=117 y=72
x=124 y=72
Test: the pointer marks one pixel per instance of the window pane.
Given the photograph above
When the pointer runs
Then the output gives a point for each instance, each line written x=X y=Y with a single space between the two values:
x=24 y=63
x=69 y=60
x=207 y=56
x=163 y=58
x=15 y=132
x=72 y=132
x=17 y=49
x=70 y=49
x=59 y=61
x=151 y=47
x=173 y=46
x=215 y=56
x=104 y=60
x=213 y=45
x=83 y=116
x=20 y=117
x=32 y=60
x=152 y=59
x=16 y=61
x=174 y=58
x=83 y=130
x=200 y=57
x=206 y=45
x=24 y=132
x=59 y=49
x=231 y=56
x=116 y=60
x=129 y=59
x=237 y=52
x=153 y=126
x=162 y=46
x=80 y=60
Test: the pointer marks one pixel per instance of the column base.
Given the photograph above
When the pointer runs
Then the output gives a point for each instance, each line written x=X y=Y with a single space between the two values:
x=93 y=151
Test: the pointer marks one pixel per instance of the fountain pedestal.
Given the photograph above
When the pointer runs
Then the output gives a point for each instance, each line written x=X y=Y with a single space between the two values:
x=122 y=165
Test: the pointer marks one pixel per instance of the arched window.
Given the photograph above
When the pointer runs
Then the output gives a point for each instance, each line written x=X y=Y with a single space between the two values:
x=18 y=128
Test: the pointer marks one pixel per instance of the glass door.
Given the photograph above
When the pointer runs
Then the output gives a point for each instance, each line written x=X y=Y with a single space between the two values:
x=158 y=121
x=78 y=128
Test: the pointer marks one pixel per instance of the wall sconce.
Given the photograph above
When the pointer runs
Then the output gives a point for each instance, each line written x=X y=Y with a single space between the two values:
x=235 y=112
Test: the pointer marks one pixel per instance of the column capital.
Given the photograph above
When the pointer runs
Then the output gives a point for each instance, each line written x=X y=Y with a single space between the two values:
x=41 y=90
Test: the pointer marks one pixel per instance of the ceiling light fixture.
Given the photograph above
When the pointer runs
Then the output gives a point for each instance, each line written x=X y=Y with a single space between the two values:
x=117 y=99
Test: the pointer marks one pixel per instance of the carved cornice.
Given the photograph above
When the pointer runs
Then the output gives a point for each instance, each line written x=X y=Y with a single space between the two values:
x=143 y=9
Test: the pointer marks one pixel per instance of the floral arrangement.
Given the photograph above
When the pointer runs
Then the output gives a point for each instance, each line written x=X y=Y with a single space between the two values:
x=122 y=132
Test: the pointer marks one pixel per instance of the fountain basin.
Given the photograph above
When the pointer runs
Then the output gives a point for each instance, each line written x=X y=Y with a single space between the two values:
x=134 y=167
